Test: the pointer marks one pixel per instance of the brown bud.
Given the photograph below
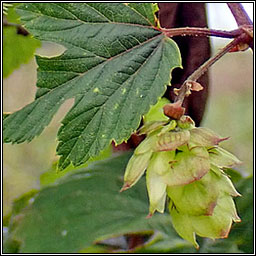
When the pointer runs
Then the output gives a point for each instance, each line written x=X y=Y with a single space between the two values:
x=174 y=110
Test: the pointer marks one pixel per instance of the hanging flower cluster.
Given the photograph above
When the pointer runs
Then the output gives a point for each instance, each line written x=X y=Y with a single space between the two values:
x=185 y=164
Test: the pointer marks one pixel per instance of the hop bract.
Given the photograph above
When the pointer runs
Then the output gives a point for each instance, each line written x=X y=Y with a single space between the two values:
x=185 y=164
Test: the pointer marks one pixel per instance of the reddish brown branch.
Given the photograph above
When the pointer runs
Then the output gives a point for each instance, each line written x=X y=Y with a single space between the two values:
x=186 y=86
x=193 y=31
x=241 y=17
x=194 y=51
x=239 y=14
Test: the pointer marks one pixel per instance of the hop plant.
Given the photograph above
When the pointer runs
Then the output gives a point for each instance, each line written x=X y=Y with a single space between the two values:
x=185 y=164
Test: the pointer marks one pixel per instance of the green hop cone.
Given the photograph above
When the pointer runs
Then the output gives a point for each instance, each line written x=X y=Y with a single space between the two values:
x=186 y=164
x=204 y=207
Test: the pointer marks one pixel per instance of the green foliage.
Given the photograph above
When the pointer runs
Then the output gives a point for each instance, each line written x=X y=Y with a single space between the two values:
x=85 y=207
x=242 y=233
x=17 y=48
x=6 y=6
x=147 y=10
x=12 y=15
x=11 y=220
x=116 y=65
x=53 y=174
x=20 y=203
x=156 y=112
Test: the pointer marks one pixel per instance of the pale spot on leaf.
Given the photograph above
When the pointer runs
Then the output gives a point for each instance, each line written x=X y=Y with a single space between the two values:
x=64 y=232
x=96 y=90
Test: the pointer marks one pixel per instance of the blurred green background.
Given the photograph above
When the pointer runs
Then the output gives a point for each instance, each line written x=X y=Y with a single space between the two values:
x=229 y=113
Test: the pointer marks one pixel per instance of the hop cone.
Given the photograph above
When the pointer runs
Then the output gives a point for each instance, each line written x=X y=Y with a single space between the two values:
x=185 y=164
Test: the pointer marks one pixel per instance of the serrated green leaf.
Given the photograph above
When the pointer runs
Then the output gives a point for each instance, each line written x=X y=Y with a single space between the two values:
x=5 y=115
x=116 y=65
x=147 y=10
x=168 y=246
x=86 y=207
x=20 y=203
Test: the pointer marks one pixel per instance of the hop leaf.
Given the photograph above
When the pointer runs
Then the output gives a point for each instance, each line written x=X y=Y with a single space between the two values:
x=110 y=50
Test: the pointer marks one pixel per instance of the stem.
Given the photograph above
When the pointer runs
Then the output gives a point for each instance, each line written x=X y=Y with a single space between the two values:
x=20 y=29
x=194 y=31
x=241 y=17
x=239 y=14
x=202 y=69
x=186 y=86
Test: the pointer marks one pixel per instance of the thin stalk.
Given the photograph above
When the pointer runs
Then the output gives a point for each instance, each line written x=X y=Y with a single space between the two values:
x=194 y=31
x=21 y=30
x=186 y=86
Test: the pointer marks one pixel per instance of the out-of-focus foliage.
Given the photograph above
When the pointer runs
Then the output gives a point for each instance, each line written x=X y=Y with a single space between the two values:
x=230 y=105
x=242 y=233
x=17 y=48
x=83 y=212
x=84 y=207
x=53 y=174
